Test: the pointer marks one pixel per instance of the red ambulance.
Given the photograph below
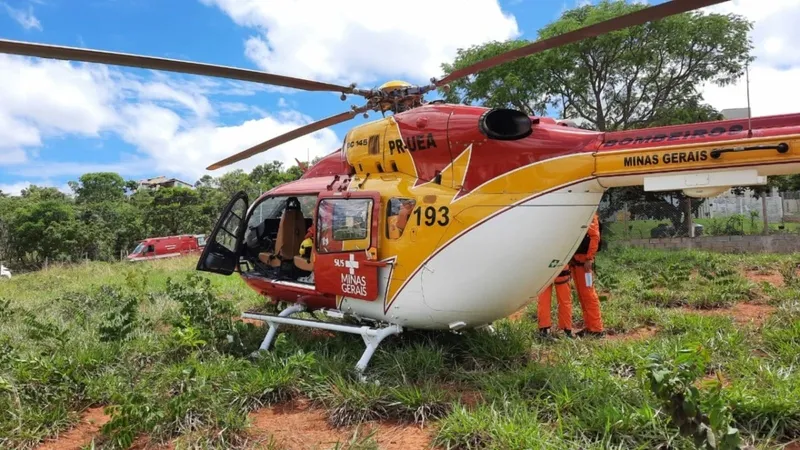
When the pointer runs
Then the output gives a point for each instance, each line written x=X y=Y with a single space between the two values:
x=168 y=247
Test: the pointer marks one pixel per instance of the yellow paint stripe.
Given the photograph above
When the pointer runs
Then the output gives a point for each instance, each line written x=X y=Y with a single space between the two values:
x=694 y=157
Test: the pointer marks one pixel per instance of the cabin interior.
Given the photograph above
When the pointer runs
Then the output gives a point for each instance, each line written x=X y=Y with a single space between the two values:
x=275 y=230
x=277 y=227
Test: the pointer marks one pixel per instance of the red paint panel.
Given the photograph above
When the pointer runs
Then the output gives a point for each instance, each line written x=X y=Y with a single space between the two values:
x=424 y=135
x=703 y=132
x=332 y=164
x=339 y=268
x=493 y=158
x=348 y=274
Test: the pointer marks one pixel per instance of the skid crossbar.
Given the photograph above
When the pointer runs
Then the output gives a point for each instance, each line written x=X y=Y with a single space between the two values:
x=372 y=336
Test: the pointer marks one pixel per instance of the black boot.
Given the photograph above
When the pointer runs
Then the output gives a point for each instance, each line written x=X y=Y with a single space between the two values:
x=586 y=333
x=544 y=332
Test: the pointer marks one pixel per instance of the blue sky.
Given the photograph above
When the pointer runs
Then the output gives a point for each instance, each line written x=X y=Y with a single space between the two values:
x=59 y=120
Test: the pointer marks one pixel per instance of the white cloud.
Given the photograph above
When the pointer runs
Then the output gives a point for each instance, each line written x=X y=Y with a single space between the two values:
x=26 y=19
x=364 y=41
x=771 y=92
x=188 y=150
x=777 y=66
x=15 y=189
x=52 y=97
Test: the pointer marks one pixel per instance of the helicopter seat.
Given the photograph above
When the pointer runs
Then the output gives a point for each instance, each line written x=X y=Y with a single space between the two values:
x=290 y=233
x=303 y=264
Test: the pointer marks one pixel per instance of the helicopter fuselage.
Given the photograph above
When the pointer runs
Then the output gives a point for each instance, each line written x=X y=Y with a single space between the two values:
x=452 y=216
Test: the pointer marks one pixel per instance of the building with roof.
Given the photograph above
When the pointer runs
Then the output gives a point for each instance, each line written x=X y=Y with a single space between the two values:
x=162 y=181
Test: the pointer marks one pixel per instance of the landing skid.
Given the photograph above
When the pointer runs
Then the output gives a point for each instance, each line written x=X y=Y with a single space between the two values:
x=372 y=336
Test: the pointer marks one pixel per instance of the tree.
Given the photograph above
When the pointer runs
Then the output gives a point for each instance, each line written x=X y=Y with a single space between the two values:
x=636 y=77
x=44 y=229
x=520 y=84
x=99 y=187
x=642 y=75
x=34 y=192
x=175 y=210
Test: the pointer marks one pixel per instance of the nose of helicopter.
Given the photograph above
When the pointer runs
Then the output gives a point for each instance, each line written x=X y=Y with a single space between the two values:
x=499 y=268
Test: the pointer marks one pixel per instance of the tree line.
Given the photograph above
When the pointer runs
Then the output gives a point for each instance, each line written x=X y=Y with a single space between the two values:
x=106 y=215
x=650 y=75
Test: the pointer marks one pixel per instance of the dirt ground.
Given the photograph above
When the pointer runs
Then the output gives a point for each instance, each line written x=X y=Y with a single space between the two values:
x=742 y=313
x=634 y=335
x=80 y=435
x=293 y=425
x=772 y=278
x=296 y=425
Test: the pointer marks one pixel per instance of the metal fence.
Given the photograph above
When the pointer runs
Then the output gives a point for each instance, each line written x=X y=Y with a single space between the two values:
x=726 y=215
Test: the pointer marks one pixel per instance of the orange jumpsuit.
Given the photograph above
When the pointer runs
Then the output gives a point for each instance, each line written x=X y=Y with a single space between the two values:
x=564 y=296
x=590 y=302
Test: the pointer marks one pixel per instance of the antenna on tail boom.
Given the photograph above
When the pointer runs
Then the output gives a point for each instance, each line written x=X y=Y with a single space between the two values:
x=749 y=111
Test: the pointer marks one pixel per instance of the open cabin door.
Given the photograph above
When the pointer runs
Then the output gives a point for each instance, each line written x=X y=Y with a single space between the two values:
x=221 y=253
x=346 y=244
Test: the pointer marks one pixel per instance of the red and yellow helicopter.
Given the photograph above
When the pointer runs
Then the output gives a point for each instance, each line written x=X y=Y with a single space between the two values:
x=444 y=216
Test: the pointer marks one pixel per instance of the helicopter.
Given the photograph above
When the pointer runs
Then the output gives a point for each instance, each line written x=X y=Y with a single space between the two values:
x=444 y=216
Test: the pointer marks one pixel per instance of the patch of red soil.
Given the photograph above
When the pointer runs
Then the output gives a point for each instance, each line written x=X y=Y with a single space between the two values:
x=742 y=313
x=634 y=335
x=470 y=399
x=255 y=322
x=795 y=445
x=752 y=313
x=144 y=443
x=772 y=278
x=81 y=434
x=296 y=425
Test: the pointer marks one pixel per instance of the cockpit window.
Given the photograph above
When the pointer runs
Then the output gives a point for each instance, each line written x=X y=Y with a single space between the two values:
x=273 y=207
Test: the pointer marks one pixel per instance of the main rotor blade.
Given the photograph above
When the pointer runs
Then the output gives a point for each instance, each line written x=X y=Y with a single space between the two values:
x=171 y=65
x=628 y=20
x=282 y=139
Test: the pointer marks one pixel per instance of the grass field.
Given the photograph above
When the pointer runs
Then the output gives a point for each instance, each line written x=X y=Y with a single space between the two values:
x=640 y=229
x=153 y=356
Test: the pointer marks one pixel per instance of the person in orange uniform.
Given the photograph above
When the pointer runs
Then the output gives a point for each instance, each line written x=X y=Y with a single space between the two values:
x=564 y=296
x=581 y=266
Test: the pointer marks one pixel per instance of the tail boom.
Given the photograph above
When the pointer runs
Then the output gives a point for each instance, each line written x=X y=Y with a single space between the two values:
x=767 y=146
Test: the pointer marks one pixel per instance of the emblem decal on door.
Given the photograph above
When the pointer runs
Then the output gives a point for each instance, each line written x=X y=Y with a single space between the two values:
x=351 y=282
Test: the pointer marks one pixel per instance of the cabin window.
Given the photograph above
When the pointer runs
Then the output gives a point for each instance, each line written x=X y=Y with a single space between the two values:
x=150 y=249
x=343 y=225
x=397 y=214
x=270 y=210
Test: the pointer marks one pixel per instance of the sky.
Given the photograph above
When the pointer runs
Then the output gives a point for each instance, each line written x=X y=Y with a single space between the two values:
x=59 y=120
